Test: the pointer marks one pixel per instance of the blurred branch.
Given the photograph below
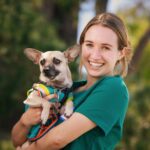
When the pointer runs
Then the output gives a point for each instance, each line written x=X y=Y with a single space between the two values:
x=139 y=51
x=101 y=6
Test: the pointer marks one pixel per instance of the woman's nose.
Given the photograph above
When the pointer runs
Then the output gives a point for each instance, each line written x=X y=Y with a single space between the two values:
x=96 y=54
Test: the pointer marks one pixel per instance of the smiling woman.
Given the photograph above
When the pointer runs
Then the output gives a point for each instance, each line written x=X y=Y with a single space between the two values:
x=100 y=102
x=100 y=55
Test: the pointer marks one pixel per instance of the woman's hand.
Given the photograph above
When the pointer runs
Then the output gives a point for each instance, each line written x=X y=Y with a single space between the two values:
x=20 y=130
x=31 y=117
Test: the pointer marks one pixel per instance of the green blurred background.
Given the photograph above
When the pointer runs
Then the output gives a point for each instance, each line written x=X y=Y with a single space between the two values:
x=52 y=24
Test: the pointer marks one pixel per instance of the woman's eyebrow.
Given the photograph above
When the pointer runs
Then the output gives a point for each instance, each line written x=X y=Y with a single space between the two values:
x=103 y=44
x=88 y=41
x=106 y=44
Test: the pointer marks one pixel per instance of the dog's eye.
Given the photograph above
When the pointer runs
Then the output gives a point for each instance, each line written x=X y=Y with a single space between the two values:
x=56 y=61
x=42 y=62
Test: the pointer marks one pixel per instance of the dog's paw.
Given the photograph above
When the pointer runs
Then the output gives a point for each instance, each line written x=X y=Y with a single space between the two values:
x=68 y=112
x=44 y=116
x=68 y=109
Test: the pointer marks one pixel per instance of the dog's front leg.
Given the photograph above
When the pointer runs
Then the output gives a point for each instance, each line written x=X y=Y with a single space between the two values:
x=68 y=109
x=46 y=110
x=46 y=105
x=34 y=100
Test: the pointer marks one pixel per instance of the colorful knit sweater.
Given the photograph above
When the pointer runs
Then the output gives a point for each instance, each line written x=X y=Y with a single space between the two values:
x=39 y=130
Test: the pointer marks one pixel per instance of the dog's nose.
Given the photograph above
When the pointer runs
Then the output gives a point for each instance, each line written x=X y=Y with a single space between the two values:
x=50 y=72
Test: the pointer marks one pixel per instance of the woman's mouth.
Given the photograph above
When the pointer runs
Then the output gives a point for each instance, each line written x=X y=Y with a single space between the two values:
x=95 y=65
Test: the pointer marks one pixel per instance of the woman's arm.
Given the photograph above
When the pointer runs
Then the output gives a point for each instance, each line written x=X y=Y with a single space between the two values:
x=22 y=127
x=64 y=133
x=31 y=117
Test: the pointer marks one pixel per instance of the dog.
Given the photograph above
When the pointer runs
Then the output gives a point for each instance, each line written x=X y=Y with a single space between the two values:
x=55 y=73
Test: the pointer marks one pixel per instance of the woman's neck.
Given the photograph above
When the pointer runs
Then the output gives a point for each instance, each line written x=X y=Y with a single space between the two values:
x=90 y=82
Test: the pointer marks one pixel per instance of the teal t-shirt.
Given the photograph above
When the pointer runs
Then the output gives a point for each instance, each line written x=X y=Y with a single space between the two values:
x=105 y=103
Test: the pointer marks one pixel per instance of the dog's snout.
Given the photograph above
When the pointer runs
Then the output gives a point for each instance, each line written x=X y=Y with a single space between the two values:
x=50 y=72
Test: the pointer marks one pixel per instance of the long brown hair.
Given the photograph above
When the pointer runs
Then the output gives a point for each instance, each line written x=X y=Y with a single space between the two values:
x=113 y=22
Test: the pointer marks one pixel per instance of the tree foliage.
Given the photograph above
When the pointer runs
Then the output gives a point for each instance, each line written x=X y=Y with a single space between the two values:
x=137 y=124
x=23 y=24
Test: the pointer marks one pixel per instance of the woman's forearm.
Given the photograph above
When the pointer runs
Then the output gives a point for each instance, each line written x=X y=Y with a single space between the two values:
x=20 y=130
x=19 y=133
x=66 y=132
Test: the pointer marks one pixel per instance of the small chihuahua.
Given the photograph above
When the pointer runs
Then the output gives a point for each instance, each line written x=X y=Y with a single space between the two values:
x=54 y=72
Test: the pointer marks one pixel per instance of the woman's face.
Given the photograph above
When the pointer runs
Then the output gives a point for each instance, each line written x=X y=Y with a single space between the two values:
x=100 y=51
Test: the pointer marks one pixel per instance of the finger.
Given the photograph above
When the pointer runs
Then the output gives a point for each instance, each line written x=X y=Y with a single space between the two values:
x=18 y=148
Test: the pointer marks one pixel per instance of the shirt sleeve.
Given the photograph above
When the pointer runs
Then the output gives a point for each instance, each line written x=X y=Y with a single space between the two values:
x=106 y=104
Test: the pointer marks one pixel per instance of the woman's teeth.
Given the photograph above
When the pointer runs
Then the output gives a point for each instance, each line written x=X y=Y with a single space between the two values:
x=96 y=65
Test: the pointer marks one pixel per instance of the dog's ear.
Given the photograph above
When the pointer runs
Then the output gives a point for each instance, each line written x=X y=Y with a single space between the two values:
x=72 y=52
x=33 y=54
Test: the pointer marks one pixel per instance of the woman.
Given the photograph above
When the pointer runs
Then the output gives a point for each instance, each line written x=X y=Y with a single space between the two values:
x=100 y=102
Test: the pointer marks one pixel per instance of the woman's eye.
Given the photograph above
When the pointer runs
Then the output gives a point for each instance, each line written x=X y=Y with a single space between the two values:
x=105 y=48
x=89 y=45
x=56 y=61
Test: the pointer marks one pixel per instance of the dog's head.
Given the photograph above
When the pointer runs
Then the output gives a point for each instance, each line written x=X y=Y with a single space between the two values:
x=54 y=68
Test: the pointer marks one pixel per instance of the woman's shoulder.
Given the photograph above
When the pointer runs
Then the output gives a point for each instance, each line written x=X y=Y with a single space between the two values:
x=112 y=88
x=113 y=84
x=114 y=81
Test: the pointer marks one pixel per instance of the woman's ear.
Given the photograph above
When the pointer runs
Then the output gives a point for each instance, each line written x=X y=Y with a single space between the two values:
x=122 y=53
x=72 y=52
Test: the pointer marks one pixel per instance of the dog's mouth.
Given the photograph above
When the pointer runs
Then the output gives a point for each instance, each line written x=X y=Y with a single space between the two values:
x=50 y=72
